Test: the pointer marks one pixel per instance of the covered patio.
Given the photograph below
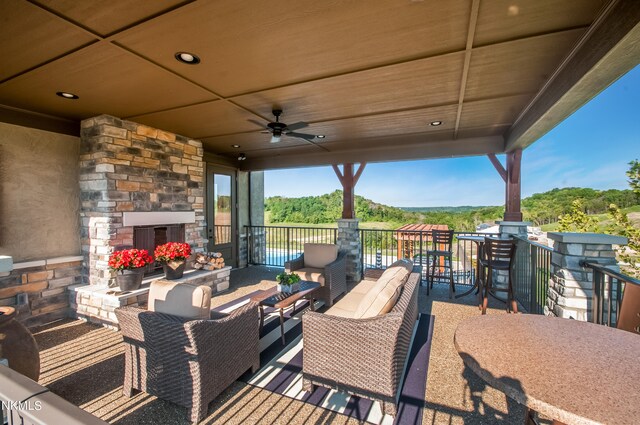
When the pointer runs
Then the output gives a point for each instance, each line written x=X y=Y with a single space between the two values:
x=73 y=352
x=132 y=124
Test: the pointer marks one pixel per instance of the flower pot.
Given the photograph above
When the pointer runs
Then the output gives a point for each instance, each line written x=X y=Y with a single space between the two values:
x=289 y=289
x=174 y=269
x=18 y=346
x=130 y=280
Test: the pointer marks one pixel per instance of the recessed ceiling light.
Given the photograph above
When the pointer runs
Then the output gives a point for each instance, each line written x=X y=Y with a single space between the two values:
x=235 y=146
x=321 y=136
x=67 y=95
x=188 y=58
x=435 y=123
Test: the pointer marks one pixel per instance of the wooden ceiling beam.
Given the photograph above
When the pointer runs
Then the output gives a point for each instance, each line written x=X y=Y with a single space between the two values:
x=473 y=20
x=609 y=49
x=415 y=147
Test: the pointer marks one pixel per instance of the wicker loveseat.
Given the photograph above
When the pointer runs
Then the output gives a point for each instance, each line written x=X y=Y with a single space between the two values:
x=362 y=356
x=322 y=263
x=188 y=361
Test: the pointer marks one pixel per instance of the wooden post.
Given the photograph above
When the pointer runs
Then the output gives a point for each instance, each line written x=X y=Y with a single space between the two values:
x=512 y=206
x=348 y=180
x=511 y=177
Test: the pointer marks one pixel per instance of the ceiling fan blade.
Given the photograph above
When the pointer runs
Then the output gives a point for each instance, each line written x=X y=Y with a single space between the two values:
x=302 y=135
x=261 y=124
x=297 y=125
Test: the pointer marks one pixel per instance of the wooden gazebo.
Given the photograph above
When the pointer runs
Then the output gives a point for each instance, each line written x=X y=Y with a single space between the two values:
x=409 y=237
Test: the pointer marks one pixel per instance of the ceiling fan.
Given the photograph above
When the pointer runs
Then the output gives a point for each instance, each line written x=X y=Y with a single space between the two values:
x=278 y=129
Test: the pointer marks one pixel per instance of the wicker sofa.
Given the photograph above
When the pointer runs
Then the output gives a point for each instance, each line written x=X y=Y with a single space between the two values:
x=362 y=356
x=322 y=263
x=183 y=353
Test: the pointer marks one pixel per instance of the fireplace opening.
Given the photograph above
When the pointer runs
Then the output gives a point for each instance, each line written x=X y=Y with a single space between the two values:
x=148 y=237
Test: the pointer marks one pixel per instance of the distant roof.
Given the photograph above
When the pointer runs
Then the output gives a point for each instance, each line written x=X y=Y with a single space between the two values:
x=413 y=229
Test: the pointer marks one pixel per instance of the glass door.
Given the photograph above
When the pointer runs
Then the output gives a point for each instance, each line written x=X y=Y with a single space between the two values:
x=221 y=210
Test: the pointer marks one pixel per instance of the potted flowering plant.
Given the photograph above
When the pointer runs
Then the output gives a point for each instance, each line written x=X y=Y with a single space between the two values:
x=129 y=266
x=173 y=256
x=288 y=282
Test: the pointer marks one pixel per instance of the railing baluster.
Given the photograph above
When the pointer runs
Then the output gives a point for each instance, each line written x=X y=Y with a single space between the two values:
x=533 y=302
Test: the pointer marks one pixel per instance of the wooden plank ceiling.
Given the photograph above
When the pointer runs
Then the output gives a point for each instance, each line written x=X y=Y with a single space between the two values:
x=371 y=76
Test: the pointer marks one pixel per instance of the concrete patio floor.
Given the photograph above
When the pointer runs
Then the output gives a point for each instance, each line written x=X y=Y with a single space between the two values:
x=84 y=364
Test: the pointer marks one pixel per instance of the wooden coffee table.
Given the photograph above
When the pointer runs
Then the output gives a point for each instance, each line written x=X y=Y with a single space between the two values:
x=281 y=300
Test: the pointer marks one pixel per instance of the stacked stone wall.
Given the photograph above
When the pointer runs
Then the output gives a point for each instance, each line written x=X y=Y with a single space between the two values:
x=125 y=166
x=570 y=290
x=45 y=284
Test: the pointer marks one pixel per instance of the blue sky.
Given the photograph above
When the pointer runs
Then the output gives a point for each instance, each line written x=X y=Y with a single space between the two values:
x=591 y=148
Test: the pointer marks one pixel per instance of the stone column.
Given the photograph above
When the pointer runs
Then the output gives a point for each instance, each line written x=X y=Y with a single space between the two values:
x=571 y=286
x=349 y=242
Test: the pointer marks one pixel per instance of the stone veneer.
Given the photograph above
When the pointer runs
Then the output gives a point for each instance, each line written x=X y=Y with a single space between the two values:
x=45 y=283
x=93 y=304
x=349 y=242
x=125 y=166
x=570 y=290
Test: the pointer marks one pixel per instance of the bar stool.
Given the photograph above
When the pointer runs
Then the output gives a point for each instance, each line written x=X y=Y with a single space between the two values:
x=498 y=255
x=442 y=242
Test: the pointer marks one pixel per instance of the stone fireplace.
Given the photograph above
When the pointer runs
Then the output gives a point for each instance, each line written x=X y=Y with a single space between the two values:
x=138 y=186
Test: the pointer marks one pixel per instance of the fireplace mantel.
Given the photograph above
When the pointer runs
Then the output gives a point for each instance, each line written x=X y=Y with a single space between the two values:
x=153 y=218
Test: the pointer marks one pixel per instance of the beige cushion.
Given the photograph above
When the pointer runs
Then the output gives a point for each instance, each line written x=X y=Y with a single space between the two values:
x=340 y=312
x=350 y=301
x=311 y=274
x=180 y=299
x=381 y=298
x=318 y=255
x=363 y=287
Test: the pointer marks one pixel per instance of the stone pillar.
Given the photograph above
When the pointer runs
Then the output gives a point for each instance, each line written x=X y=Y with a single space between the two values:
x=513 y=228
x=571 y=286
x=349 y=242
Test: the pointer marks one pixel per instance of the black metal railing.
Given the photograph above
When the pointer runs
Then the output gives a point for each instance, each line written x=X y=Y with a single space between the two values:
x=608 y=290
x=531 y=273
x=274 y=245
x=380 y=248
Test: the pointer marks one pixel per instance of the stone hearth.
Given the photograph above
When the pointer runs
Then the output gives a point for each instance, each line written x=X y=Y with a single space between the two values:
x=94 y=304
x=127 y=169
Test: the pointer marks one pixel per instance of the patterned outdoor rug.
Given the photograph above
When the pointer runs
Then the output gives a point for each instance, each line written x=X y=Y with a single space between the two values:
x=281 y=369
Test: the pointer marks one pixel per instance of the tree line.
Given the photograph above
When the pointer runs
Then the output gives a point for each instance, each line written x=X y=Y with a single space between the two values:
x=540 y=208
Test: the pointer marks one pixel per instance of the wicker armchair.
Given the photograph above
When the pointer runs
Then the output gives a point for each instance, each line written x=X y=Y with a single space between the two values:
x=185 y=361
x=365 y=357
x=332 y=276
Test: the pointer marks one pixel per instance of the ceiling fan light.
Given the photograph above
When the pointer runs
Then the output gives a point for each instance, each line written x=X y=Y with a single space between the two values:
x=275 y=138
x=242 y=157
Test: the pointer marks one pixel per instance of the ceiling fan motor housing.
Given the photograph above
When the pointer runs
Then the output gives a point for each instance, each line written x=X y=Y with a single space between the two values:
x=277 y=128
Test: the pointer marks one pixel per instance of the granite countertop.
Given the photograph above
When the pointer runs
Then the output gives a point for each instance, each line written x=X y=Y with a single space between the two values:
x=572 y=371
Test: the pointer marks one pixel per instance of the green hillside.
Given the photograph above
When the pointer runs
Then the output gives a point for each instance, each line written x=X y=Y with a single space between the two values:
x=540 y=208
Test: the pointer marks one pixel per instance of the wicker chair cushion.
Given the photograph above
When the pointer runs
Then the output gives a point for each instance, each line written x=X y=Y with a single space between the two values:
x=318 y=255
x=348 y=304
x=386 y=291
x=311 y=274
x=179 y=299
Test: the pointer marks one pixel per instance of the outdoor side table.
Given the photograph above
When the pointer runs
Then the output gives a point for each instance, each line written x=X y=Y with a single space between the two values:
x=281 y=300
x=575 y=372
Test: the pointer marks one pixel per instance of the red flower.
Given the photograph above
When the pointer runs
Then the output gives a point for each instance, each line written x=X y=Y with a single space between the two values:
x=172 y=251
x=128 y=259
